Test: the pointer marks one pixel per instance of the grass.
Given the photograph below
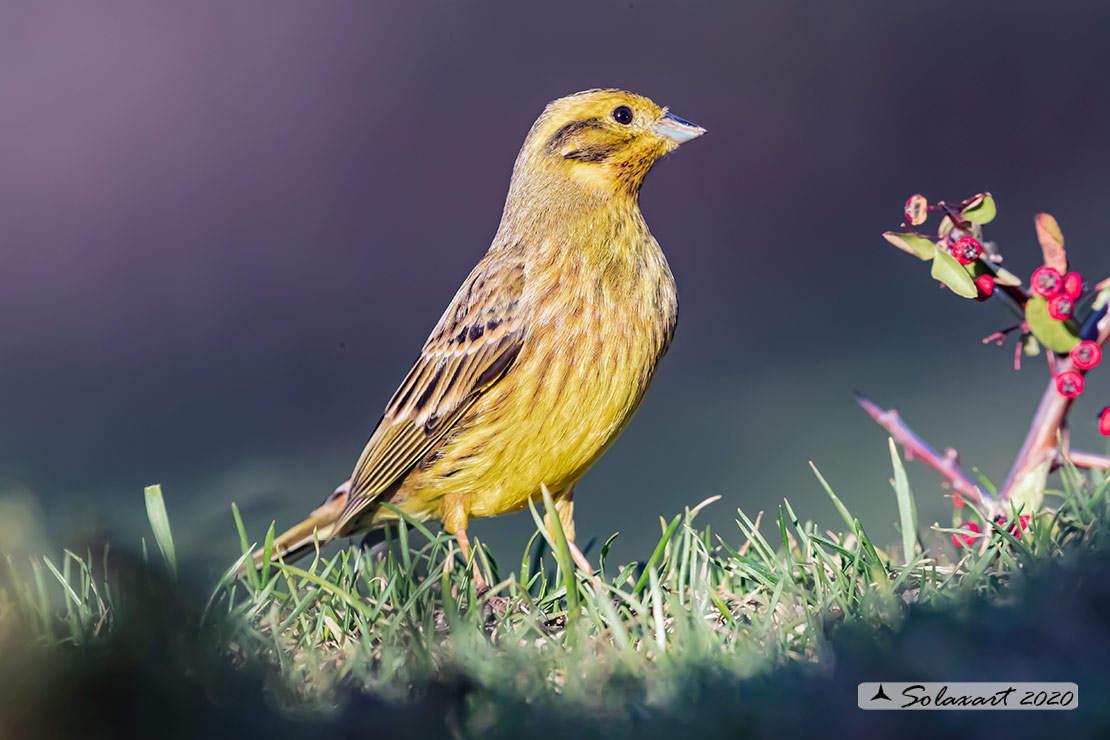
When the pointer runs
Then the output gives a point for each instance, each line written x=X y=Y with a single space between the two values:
x=399 y=625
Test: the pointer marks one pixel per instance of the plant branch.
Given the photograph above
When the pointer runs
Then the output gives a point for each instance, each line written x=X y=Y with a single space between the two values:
x=917 y=448
x=1087 y=460
x=1048 y=430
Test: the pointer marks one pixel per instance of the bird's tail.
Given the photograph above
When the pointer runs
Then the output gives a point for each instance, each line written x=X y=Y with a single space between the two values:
x=320 y=526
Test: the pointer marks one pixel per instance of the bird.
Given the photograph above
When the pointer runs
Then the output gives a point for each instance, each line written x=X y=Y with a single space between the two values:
x=546 y=350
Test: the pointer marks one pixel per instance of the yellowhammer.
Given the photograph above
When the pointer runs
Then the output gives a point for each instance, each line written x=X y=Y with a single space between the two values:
x=547 y=348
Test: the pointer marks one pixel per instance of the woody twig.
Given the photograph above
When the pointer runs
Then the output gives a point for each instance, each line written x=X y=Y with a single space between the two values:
x=915 y=448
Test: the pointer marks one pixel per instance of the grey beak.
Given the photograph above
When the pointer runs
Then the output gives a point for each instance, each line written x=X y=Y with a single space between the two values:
x=677 y=129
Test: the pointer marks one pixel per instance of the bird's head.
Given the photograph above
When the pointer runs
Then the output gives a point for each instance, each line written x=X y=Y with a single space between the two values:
x=604 y=140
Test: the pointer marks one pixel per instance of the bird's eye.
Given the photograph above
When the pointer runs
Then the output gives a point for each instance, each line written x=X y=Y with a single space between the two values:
x=622 y=114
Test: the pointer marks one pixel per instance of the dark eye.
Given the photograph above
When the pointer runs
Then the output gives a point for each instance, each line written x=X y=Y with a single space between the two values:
x=622 y=114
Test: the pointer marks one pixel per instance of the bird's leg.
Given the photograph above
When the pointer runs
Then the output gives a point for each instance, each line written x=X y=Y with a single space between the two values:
x=464 y=544
x=564 y=507
x=454 y=521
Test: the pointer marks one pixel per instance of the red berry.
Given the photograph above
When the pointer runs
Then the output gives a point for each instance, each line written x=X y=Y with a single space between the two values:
x=1046 y=282
x=985 y=284
x=1085 y=355
x=966 y=250
x=1060 y=307
x=1104 y=421
x=966 y=540
x=1070 y=384
x=1020 y=525
x=1073 y=285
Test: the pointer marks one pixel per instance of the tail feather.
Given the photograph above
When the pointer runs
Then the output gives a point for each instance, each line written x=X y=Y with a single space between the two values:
x=320 y=526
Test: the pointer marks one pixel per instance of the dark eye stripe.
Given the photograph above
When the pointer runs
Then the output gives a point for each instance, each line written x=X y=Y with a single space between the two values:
x=590 y=153
x=567 y=131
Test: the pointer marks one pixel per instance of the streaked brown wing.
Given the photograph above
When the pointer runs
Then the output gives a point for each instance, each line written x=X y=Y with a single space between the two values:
x=474 y=344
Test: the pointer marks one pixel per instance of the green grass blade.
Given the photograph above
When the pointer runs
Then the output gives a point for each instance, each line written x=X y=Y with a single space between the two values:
x=562 y=552
x=225 y=579
x=660 y=548
x=840 y=507
x=267 y=554
x=251 y=573
x=907 y=512
x=160 y=523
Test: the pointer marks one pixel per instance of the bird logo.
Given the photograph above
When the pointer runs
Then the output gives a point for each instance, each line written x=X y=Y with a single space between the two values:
x=880 y=694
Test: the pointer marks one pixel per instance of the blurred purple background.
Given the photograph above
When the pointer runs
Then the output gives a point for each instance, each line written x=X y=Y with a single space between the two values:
x=226 y=229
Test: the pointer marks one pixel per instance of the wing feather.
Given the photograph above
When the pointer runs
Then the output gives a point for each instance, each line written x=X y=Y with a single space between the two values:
x=473 y=346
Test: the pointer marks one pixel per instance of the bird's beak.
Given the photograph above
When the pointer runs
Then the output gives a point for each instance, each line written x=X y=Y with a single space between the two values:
x=677 y=129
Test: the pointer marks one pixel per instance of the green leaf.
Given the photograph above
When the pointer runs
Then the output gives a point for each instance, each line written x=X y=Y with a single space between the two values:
x=950 y=272
x=977 y=268
x=918 y=246
x=160 y=523
x=1003 y=276
x=907 y=512
x=1058 y=336
x=980 y=210
x=946 y=226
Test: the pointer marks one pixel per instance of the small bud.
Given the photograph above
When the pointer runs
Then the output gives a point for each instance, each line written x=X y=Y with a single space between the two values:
x=985 y=283
x=1069 y=384
x=966 y=540
x=917 y=209
x=1046 y=282
x=1085 y=355
x=1073 y=285
x=966 y=250
x=1060 y=307
x=1104 y=421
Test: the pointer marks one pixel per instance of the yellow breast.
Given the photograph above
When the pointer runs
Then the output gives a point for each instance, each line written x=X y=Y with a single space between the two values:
x=587 y=361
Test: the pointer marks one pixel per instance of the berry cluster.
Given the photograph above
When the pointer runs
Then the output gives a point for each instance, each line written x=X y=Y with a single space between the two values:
x=1061 y=291
x=967 y=250
x=1084 y=356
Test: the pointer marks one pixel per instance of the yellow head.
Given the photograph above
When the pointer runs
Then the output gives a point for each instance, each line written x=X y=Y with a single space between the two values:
x=604 y=140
